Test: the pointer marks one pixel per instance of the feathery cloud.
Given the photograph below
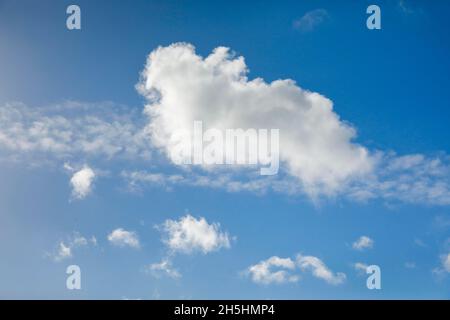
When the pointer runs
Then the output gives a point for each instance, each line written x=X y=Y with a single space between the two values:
x=310 y=20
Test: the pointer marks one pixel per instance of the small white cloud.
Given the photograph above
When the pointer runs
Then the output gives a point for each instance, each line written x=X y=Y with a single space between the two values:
x=123 y=238
x=310 y=20
x=408 y=9
x=164 y=267
x=360 y=268
x=319 y=269
x=82 y=182
x=189 y=234
x=362 y=243
x=64 y=252
x=68 y=167
x=65 y=249
x=79 y=240
x=410 y=265
x=263 y=273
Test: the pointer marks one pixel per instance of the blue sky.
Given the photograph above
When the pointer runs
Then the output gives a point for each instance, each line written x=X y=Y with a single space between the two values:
x=391 y=85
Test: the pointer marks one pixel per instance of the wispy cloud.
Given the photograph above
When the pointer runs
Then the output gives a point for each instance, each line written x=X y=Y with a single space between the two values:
x=164 y=268
x=405 y=7
x=310 y=20
x=413 y=179
x=360 y=268
x=70 y=130
x=65 y=249
x=320 y=270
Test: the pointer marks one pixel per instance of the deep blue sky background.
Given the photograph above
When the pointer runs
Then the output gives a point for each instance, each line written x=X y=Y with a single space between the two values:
x=392 y=84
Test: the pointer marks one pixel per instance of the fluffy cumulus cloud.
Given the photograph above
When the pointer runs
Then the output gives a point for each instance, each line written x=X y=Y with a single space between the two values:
x=123 y=238
x=273 y=270
x=316 y=146
x=189 y=235
x=82 y=182
x=318 y=152
x=362 y=243
x=319 y=270
x=281 y=270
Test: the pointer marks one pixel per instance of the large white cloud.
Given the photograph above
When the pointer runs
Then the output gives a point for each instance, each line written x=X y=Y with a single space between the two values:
x=82 y=182
x=189 y=234
x=182 y=87
x=317 y=152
